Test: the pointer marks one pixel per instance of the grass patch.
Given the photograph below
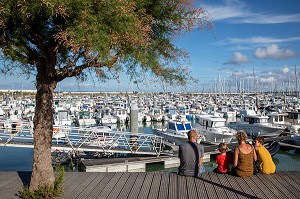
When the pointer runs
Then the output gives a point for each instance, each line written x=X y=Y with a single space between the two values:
x=46 y=192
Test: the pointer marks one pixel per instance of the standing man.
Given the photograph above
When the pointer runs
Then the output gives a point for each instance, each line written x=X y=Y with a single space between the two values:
x=190 y=155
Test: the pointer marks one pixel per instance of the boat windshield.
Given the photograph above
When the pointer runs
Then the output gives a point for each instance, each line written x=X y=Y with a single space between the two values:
x=180 y=127
x=188 y=126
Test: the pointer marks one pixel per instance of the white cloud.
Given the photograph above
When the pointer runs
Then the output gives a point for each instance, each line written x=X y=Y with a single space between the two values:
x=236 y=11
x=285 y=69
x=238 y=58
x=228 y=10
x=237 y=73
x=268 y=80
x=262 y=40
x=273 y=51
x=257 y=40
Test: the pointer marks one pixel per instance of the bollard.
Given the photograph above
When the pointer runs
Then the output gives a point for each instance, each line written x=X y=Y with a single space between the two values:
x=134 y=118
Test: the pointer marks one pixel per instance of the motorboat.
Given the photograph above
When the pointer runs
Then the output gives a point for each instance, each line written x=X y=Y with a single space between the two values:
x=177 y=128
x=272 y=146
x=296 y=139
x=84 y=118
x=63 y=117
x=258 y=125
x=176 y=131
x=213 y=129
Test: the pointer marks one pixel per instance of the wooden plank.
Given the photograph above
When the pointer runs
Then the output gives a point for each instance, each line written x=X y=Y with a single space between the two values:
x=296 y=173
x=270 y=186
x=70 y=177
x=263 y=186
x=287 y=183
x=75 y=185
x=137 y=186
x=182 y=187
x=5 y=176
x=219 y=187
x=230 y=192
x=101 y=185
x=145 y=189
x=191 y=188
x=201 y=192
x=293 y=184
x=12 y=188
x=280 y=186
x=246 y=189
x=119 y=186
x=236 y=186
x=209 y=186
x=90 y=188
x=128 y=186
x=84 y=183
x=295 y=176
x=164 y=186
x=1 y=174
x=111 y=185
x=255 y=187
x=173 y=191
x=155 y=186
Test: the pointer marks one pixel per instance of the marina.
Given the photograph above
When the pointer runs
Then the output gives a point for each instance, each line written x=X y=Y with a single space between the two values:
x=145 y=153
x=121 y=99
x=79 y=129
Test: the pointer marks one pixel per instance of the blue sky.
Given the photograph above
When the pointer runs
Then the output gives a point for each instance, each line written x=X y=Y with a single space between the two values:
x=250 y=36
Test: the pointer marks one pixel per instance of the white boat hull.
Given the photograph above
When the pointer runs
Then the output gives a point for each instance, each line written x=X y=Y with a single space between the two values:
x=267 y=130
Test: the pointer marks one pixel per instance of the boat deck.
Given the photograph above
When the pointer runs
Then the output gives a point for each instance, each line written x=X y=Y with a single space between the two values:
x=163 y=185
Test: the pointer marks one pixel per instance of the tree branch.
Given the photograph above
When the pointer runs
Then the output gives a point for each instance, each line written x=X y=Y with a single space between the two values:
x=68 y=71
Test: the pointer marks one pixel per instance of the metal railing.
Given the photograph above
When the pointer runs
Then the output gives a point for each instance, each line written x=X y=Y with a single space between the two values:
x=96 y=138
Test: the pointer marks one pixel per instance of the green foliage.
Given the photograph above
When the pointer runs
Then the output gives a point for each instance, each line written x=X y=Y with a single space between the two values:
x=46 y=192
x=67 y=38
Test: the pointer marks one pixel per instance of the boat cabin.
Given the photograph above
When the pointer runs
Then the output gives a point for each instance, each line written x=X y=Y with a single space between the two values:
x=251 y=119
x=179 y=126
x=277 y=118
x=211 y=121
x=293 y=117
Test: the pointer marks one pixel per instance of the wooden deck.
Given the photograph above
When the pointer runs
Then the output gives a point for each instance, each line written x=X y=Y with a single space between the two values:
x=163 y=185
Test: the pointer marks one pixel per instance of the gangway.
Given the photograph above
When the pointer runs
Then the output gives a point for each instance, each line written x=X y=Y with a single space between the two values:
x=98 y=138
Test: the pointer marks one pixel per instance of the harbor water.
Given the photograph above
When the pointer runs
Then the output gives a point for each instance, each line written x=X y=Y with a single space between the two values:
x=20 y=159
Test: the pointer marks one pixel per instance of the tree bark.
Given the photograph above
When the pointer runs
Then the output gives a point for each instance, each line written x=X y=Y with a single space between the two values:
x=42 y=170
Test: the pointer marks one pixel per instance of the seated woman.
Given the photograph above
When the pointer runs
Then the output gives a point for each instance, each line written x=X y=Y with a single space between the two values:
x=244 y=156
x=266 y=164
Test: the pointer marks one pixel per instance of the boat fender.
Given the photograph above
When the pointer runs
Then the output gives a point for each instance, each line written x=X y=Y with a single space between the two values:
x=57 y=151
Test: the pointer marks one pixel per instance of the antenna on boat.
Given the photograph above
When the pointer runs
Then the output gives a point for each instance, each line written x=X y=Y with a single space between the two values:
x=296 y=90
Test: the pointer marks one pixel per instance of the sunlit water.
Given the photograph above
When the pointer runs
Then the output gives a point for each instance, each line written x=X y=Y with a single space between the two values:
x=20 y=159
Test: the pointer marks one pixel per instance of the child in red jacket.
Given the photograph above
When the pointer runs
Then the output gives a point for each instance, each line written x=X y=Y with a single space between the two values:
x=223 y=160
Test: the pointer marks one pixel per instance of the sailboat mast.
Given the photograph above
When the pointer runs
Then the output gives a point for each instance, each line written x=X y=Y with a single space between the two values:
x=296 y=91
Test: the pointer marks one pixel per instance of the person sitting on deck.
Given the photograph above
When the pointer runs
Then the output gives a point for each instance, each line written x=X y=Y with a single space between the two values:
x=223 y=159
x=244 y=156
x=191 y=156
x=266 y=164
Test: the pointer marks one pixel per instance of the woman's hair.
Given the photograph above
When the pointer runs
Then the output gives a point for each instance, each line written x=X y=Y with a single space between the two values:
x=222 y=147
x=241 y=136
x=260 y=139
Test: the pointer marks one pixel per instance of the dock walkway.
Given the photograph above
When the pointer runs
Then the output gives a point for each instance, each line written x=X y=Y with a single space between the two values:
x=150 y=185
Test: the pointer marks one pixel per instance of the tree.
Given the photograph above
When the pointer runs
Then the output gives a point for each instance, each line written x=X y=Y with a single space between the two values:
x=57 y=39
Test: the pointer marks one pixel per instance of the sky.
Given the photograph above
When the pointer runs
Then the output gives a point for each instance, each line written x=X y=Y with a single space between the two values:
x=254 y=45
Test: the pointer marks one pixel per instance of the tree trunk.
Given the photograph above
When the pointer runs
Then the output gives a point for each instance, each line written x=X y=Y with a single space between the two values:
x=42 y=170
